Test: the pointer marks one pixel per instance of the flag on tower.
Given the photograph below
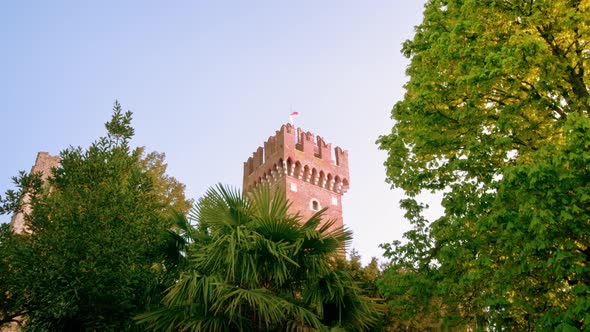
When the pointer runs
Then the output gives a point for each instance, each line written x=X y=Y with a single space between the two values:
x=291 y=117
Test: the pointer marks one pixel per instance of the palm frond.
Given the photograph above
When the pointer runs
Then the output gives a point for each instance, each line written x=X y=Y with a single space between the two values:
x=269 y=203
x=221 y=208
x=191 y=288
x=263 y=306
x=254 y=266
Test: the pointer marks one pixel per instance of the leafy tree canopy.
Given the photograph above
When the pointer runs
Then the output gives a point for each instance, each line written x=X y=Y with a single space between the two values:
x=495 y=117
x=100 y=230
x=254 y=267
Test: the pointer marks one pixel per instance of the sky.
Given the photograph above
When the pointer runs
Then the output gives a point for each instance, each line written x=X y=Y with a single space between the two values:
x=208 y=82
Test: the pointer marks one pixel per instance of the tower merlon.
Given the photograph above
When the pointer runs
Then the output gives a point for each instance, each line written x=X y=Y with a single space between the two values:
x=341 y=157
x=301 y=154
x=305 y=168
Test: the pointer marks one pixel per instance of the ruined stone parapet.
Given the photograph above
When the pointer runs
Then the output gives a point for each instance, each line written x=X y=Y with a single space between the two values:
x=43 y=164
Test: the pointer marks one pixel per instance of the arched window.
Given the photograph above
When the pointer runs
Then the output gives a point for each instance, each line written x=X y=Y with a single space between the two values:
x=322 y=179
x=298 y=170
x=280 y=168
x=305 y=173
x=314 y=176
x=314 y=205
x=344 y=185
x=290 y=168
x=329 y=182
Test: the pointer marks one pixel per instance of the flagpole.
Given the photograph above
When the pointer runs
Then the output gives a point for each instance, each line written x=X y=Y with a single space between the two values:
x=291 y=116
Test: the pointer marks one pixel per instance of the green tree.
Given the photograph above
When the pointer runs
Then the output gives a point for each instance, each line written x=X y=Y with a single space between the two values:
x=366 y=275
x=492 y=118
x=10 y=306
x=171 y=189
x=253 y=266
x=367 y=278
x=100 y=225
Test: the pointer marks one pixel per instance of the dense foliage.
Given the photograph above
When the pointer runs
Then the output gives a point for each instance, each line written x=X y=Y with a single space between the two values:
x=252 y=266
x=367 y=278
x=495 y=118
x=100 y=230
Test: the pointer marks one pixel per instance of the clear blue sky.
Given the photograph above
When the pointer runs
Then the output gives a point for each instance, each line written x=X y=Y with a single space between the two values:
x=208 y=82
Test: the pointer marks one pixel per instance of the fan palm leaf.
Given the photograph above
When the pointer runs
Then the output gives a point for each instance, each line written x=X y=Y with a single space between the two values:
x=255 y=266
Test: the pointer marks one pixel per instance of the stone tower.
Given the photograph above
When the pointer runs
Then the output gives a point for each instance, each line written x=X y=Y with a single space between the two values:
x=43 y=164
x=305 y=168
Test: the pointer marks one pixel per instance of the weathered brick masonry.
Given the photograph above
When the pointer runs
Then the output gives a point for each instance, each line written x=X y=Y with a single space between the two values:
x=302 y=166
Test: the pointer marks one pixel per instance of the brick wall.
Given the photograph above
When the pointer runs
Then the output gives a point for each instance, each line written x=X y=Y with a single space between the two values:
x=306 y=168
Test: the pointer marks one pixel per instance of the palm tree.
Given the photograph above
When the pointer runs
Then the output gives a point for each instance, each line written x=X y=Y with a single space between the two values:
x=253 y=266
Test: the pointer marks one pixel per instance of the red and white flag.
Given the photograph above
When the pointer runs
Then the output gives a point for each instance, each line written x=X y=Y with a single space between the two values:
x=291 y=116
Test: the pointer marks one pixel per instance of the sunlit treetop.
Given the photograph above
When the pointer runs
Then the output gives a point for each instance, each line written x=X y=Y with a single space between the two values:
x=490 y=81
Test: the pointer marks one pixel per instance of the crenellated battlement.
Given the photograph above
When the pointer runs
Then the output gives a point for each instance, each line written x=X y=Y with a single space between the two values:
x=300 y=154
x=312 y=175
x=288 y=141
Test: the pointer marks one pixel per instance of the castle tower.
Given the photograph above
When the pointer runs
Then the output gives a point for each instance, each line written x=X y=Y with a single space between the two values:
x=305 y=168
